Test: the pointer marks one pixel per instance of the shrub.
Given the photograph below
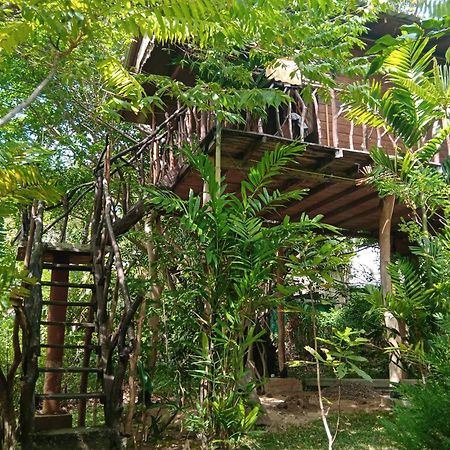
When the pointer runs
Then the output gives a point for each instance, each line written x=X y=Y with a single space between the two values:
x=423 y=423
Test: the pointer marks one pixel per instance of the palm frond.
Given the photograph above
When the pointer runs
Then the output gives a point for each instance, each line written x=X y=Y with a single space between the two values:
x=272 y=164
x=433 y=145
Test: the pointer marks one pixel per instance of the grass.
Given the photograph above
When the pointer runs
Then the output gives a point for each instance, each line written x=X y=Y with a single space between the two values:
x=358 y=431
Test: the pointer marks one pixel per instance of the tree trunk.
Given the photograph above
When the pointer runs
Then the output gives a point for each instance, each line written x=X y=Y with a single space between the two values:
x=31 y=336
x=132 y=371
x=7 y=416
x=155 y=294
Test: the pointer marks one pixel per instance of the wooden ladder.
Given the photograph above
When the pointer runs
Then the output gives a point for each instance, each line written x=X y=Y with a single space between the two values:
x=60 y=330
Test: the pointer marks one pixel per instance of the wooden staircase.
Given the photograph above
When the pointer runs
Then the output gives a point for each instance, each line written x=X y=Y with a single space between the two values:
x=61 y=319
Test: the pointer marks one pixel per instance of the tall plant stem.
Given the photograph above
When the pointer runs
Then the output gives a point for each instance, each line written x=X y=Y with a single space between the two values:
x=323 y=413
x=218 y=153
x=426 y=239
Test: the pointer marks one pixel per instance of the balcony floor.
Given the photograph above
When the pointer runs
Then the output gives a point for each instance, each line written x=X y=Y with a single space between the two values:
x=332 y=180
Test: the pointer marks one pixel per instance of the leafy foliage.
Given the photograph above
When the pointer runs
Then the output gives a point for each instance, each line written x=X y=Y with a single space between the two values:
x=415 y=101
x=338 y=352
x=225 y=260
x=422 y=424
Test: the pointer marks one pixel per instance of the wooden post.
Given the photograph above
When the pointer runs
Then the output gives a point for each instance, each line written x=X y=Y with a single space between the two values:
x=316 y=113
x=55 y=333
x=392 y=324
x=364 y=137
x=281 y=325
x=289 y=115
x=350 y=137
x=334 y=119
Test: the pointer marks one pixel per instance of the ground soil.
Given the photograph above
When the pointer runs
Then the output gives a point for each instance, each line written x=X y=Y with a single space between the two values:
x=287 y=410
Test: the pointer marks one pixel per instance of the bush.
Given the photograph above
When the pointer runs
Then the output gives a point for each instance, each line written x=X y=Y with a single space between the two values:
x=356 y=313
x=423 y=423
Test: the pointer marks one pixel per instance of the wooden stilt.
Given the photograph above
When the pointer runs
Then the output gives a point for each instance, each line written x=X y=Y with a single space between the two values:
x=55 y=333
x=394 y=328
x=281 y=326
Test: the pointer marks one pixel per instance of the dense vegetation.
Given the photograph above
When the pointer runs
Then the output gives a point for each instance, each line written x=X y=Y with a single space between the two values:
x=195 y=281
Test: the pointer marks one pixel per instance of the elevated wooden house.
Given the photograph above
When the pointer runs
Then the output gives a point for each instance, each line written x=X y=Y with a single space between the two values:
x=336 y=149
x=331 y=167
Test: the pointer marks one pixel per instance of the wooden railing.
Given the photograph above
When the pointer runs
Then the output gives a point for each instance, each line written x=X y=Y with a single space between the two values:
x=323 y=121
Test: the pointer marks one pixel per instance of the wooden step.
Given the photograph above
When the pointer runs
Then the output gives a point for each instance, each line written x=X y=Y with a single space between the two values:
x=68 y=285
x=68 y=324
x=70 y=369
x=71 y=346
x=70 y=396
x=46 y=302
x=69 y=267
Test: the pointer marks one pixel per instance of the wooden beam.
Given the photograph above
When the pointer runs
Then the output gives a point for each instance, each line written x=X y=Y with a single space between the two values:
x=334 y=119
x=292 y=204
x=291 y=184
x=357 y=168
x=331 y=199
x=349 y=206
x=247 y=153
x=355 y=217
x=324 y=163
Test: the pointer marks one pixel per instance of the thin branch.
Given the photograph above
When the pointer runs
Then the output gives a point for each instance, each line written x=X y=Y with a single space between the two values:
x=69 y=209
x=30 y=99
x=70 y=193
x=147 y=140
x=106 y=124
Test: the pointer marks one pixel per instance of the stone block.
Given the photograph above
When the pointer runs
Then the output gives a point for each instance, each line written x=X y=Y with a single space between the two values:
x=45 y=422
x=95 y=438
x=283 y=386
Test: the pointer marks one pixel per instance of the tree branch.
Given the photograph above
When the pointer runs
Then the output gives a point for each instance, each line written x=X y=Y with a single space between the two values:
x=27 y=102
x=41 y=86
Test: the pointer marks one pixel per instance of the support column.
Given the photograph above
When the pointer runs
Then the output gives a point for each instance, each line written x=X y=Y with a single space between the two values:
x=55 y=333
x=394 y=328
x=281 y=325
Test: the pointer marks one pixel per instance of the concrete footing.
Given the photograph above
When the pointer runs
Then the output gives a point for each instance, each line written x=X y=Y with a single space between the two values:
x=96 y=438
x=283 y=386
x=47 y=422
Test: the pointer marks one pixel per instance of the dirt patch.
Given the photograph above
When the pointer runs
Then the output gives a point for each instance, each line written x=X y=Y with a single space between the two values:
x=284 y=411
x=294 y=408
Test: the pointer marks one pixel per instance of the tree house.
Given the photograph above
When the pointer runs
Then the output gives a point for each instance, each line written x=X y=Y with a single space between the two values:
x=336 y=150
